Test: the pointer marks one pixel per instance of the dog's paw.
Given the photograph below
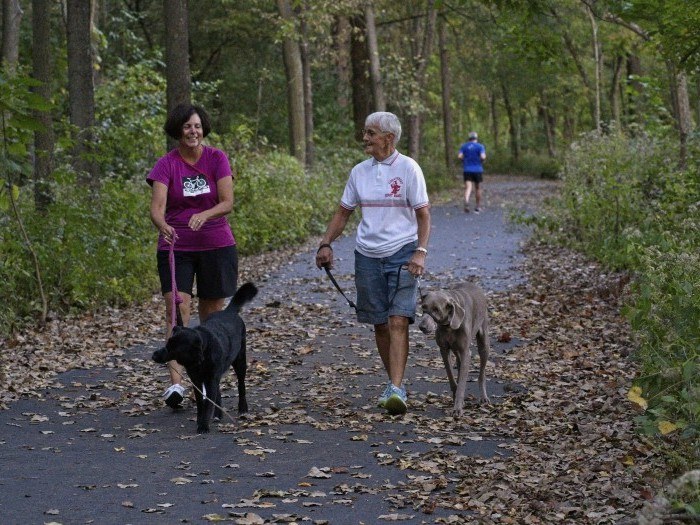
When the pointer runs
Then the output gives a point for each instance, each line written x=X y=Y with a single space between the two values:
x=203 y=429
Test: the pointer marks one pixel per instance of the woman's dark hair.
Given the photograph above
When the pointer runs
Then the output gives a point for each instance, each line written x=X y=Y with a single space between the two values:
x=181 y=114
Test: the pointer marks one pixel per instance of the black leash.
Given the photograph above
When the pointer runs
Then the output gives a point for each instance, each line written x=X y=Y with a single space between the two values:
x=352 y=305
x=337 y=287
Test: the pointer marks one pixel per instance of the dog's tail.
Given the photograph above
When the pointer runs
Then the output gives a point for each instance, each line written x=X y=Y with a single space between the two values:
x=244 y=294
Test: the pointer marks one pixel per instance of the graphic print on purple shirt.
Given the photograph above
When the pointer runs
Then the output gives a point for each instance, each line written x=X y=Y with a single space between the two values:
x=196 y=185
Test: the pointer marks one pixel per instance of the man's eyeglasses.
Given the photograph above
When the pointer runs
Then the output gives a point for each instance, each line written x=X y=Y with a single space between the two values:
x=372 y=133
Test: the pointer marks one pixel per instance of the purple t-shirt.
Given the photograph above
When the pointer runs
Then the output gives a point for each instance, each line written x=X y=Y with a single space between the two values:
x=192 y=189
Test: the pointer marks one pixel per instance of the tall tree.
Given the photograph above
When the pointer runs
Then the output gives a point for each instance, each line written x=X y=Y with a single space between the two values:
x=359 y=57
x=81 y=89
x=308 y=90
x=598 y=65
x=11 y=19
x=177 y=55
x=420 y=65
x=341 y=49
x=43 y=138
x=513 y=128
x=374 y=65
x=446 y=96
x=295 y=83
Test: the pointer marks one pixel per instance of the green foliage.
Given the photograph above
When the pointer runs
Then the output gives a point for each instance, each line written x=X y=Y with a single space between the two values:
x=279 y=204
x=92 y=250
x=131 y=112
x=528 y=164
x=609 y=183
x=673 y=25
x=17 y=106
x=437 y=176
x=625 y=203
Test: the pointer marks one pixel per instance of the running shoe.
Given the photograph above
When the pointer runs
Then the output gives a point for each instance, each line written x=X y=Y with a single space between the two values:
x=381 y=403
x=396 y=403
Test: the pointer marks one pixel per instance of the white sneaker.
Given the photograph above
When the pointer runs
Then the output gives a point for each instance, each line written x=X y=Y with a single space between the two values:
x=174 y=396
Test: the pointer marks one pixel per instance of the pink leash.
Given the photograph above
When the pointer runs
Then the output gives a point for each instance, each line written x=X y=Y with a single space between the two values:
x=174 y=311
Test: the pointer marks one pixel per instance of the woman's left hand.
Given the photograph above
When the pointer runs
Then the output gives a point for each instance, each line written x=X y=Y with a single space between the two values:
x=197 y=221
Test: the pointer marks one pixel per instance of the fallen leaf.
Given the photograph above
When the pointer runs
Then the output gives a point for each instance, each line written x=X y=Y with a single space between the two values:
x=317 y=473
x=396 y=517
x=666 y=427
x=181 y=481
x=635 y=395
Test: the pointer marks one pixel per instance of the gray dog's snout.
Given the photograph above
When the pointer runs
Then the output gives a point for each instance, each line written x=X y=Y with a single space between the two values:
x=427 y=325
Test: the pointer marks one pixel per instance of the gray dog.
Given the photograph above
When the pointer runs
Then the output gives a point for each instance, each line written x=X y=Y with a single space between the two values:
x=457 y=316
x=208 y=351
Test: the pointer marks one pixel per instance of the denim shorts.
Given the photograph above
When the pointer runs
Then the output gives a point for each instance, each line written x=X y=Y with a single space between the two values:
x=384 y=288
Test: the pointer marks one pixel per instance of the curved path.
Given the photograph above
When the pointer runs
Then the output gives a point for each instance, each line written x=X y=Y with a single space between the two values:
x=102 y=448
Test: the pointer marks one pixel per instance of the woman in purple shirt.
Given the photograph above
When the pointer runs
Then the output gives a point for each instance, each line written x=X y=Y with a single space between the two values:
x=192 y=192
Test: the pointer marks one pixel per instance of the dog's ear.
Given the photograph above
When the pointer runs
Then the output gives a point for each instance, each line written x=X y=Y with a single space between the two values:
x=456 y=315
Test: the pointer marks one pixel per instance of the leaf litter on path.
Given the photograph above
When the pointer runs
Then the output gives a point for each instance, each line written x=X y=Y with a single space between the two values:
x=564 y=425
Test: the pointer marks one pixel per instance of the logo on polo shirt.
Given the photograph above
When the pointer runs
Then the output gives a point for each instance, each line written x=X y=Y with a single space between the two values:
x=395 y=185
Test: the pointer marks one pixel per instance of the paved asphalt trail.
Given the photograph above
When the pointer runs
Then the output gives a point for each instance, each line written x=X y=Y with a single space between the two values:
x=103 y=448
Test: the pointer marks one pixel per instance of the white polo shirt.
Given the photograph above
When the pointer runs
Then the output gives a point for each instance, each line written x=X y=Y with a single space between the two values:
x=388 y=193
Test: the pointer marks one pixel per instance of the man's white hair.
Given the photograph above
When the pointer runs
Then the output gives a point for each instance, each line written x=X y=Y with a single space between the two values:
x=386 y=122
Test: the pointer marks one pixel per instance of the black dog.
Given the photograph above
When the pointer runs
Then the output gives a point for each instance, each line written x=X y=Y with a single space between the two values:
x=207 y=352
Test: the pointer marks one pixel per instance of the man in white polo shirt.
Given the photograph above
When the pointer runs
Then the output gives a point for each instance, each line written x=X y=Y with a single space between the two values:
x=391 y=245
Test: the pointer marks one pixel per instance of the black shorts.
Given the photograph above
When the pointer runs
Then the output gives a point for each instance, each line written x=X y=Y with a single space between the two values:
x=216 y=272
x=474 y=177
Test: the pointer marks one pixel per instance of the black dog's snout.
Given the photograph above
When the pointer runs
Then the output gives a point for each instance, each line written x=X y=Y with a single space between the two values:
x=159 y=356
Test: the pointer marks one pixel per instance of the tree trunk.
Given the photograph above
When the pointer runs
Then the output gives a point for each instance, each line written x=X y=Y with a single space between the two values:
x=44 y=138
x=615 y=106
x=81 y=90
x=697 y=99
x=361 y=95
x=308 y=96
x=513 y=124
x=11 y=18
x=547 y=125
x=580 y=67
x=177 y=56
x=569 y=118
x=295 y=88
x=420 y=66
x=374 y=67
x=341 y=46
x=684 y=121
x=493 y=102
x=597 y=63
x=634 y=72
x=446 y=97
